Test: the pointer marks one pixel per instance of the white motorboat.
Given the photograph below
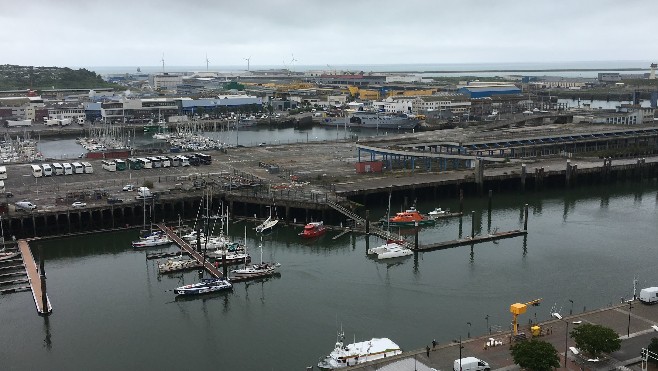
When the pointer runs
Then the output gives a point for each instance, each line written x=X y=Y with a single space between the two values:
x=395 y=252
x=437 y=212
x=382 y=248
x=267 y=225
x=151 y=240
x=358 y=352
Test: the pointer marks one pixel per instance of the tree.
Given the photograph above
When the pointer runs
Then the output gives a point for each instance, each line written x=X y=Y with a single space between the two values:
x=653 y=348
x=536 y=355
x=596 y=339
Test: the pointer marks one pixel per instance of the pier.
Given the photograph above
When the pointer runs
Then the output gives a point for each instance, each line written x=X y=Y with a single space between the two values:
x=471 y=240
x=193 y=253
x=36 y=278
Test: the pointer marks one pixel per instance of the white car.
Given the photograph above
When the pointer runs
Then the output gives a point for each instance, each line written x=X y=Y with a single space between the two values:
x=79 y=204
x=129 y=188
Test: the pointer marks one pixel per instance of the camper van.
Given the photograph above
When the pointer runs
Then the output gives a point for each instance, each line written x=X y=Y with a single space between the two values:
x=649 y=295
x=88 y=168
x=471 y=364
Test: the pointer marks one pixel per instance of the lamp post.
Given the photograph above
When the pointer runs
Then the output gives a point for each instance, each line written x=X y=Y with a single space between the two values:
x=566 y=335
x=628 y=330
x=469 y=329
x=488 y=328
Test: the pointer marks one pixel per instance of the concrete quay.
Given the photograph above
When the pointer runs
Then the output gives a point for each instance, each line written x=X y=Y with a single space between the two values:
x=642 y=318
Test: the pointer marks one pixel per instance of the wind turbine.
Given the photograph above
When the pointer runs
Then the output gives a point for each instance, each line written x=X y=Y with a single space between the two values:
x=247 y=59
x=162 y=62
x=292 y=62
x=207 y=61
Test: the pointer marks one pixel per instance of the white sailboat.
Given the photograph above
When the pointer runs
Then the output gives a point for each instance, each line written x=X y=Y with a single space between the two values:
x=263 y=268
x=268 y=224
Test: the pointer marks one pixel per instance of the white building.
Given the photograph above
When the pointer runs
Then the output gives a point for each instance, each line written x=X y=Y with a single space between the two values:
x=425 y=104
x=166 y=81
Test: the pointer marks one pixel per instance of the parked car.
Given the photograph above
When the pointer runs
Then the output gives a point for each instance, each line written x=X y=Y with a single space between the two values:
x=114 y=200
x=129 y=188
x=25 y=205
x=79 y=204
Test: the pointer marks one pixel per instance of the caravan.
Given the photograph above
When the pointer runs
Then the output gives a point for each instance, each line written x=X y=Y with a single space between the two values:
x=78 y=168
x=649 y=295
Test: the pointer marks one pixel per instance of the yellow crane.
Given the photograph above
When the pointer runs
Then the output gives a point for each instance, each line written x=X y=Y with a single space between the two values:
x=519 y=308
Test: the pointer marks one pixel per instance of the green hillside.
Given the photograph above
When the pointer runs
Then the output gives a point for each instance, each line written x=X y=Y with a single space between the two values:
x=29 y=77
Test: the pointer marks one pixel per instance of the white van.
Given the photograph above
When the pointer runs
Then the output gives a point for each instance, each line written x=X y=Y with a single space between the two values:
x=68 y=169
x=58 y=169
x=25 y=205
x=78 y=168
x=471 y=364
x=88 y=168
x=47 y=170
x=37 y=172
x=3 y=172
x=143 y=192
x=649 y=295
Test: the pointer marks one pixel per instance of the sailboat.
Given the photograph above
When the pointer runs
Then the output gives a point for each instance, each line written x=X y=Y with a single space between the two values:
x=261 y=269
x=268 y=224
x=157 y=238
x=390 y=249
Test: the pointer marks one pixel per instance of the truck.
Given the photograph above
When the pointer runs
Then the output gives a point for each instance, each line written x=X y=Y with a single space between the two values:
x=471 y=364
x=649 y=295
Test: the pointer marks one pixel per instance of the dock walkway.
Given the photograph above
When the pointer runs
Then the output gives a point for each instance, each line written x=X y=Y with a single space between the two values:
x=34 y=278
x=469 y=240
x=193 y=253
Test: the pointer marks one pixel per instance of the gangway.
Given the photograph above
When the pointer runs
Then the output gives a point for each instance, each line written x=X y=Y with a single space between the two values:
x=190 y=250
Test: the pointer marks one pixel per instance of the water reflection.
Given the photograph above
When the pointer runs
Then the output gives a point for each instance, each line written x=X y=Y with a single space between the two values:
x=47 y=341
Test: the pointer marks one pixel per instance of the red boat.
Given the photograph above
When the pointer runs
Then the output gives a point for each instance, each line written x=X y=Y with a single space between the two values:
x=313 y=229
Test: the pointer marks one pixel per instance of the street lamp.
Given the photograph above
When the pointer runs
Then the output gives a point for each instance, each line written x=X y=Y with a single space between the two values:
x=566 y=335
x=628 y=330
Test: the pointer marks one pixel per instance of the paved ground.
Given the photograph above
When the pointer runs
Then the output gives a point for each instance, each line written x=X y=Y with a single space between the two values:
x=499 y=358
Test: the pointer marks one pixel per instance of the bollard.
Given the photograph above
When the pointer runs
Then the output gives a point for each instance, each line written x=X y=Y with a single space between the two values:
x=472 y=224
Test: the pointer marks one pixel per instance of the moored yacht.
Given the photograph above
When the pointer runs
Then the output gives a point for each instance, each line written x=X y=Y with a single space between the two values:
x=358 y=352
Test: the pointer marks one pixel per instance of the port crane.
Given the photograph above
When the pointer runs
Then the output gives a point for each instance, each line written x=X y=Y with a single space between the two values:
x=520 y=308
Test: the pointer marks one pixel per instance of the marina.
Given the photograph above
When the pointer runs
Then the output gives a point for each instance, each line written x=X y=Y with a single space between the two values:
x=451 y=281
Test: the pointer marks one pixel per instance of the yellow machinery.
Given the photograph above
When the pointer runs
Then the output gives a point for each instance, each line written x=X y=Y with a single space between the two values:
x=518 y=308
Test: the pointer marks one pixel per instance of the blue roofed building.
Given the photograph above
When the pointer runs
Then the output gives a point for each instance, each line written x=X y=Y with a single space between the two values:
x=476 y=89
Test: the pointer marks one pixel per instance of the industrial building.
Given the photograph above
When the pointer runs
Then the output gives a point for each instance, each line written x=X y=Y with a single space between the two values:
x=475 y=90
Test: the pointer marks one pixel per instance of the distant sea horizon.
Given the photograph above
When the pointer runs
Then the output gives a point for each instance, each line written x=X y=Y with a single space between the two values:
x=586 y=69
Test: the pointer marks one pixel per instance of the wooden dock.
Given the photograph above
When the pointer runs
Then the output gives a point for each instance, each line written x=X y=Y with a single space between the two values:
x=471 y=241
x=34 y=278
x=207 y=265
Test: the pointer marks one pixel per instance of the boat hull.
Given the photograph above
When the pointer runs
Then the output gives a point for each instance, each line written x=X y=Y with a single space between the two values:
x=205 y=287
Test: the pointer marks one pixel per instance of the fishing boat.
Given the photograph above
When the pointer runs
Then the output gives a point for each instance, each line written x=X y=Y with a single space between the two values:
x=409 y=218
x=207 y=285
x=177 y=264
x=313 y=229
x=267 y=225
x=358 y=352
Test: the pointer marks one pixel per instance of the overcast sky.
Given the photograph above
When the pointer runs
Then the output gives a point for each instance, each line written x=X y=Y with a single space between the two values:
x=326 y=32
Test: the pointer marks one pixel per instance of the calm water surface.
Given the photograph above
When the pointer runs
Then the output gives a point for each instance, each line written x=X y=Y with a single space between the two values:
x=112 y=310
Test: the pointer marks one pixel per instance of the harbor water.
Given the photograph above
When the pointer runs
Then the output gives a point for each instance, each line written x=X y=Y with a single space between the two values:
x=113 y=311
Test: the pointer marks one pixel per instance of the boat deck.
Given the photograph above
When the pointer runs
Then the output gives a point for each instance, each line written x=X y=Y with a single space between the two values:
x=34 y=278
x=207 y=265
